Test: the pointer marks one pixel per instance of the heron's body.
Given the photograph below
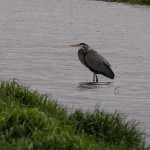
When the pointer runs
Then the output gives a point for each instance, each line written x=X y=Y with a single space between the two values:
x=94 y=61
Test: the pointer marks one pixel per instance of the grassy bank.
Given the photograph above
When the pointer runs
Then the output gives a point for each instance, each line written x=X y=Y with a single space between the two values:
x=32 y=121
x=140 y=2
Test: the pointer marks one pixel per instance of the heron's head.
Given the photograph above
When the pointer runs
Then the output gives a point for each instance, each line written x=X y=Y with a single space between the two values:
x=81 y=45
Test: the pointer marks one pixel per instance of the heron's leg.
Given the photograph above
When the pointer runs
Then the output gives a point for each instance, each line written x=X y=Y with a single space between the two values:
x=96 y=77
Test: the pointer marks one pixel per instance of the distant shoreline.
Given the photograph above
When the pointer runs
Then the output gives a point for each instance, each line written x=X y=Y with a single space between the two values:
x=139 y=2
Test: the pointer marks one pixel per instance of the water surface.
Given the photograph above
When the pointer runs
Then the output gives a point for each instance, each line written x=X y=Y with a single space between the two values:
x=34 y=47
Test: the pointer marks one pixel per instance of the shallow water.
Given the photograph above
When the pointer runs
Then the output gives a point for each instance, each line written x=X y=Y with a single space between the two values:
x=34 y=47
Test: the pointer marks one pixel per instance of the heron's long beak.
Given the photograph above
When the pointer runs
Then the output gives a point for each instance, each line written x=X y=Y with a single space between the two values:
x=75 y=45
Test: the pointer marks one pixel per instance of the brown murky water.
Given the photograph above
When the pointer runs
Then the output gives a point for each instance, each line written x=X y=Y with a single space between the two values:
x=34 y=39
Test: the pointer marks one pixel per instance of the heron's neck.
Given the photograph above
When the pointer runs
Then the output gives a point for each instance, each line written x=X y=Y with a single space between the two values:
x=83 y=51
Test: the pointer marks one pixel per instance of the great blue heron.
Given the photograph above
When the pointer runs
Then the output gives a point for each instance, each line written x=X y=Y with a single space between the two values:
x=94 y=61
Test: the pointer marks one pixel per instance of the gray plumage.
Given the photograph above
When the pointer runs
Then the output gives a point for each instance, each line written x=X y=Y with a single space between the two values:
x=94 y=61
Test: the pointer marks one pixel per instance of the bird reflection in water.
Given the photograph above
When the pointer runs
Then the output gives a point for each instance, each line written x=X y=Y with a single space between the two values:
x=92 y=85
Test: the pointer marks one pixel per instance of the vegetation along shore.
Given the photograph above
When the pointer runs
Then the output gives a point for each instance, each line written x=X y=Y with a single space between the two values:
x=31 y=121
x=140 y=2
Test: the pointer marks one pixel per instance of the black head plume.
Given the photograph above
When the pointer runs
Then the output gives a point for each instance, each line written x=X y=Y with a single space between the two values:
x=83 y=44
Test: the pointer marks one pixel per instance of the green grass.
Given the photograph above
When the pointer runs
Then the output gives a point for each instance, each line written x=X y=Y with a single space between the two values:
x=31 y=121
x=140 y=2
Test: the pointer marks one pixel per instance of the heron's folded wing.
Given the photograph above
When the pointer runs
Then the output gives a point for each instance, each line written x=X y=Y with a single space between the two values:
x=96 y=62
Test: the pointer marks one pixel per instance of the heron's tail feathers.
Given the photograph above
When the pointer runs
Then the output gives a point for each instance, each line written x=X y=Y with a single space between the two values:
x=109 y=73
